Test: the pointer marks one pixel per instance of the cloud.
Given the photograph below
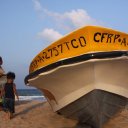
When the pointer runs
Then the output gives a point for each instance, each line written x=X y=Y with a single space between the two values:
x=49 y=35
x=68 y=20
x=79 y=18
x=37 y=5
x=65 y=22
x=72 y=19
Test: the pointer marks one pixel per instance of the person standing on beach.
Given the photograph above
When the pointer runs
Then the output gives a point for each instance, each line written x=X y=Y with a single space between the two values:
x=2 y=81
x=9 y=92
x=2 y=72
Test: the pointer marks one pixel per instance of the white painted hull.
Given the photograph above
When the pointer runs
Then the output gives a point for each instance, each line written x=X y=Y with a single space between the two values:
x=68 y=83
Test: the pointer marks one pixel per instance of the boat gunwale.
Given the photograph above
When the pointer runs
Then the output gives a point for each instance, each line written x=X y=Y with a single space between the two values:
x=76 y=59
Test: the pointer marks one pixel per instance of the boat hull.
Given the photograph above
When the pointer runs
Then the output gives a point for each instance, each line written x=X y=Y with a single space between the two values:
x=67 y=84
x=94 y=109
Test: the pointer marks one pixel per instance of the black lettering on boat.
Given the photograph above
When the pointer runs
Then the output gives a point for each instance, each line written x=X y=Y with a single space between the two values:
x=116 y=37
x=123 y=42
x=40 y=59
x=56 y=51
x=50 y=50
x=46 y=55
x=34 y=64
x=103 y=36
x=97 y=36
x=82 y=41
x=67 y=45
x=61 y=47
x=73 y=43
x=109 y=38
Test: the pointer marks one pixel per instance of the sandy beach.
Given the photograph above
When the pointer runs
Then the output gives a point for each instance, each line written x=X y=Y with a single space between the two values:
x=120 y=120
x=37 y=114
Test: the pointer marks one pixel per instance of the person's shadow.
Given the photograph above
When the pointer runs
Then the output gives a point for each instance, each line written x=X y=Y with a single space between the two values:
x=27 y=109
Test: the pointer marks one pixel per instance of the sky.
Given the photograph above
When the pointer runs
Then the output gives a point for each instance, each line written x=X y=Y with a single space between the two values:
x=29 y=26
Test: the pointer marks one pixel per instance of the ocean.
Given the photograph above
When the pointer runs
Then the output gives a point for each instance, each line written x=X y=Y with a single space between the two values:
x=30 y=94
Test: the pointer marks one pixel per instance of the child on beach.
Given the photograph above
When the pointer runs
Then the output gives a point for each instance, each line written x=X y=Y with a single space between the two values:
x=9 y=91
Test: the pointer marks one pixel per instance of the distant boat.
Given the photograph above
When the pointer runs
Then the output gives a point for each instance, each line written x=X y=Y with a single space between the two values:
x=84 y=75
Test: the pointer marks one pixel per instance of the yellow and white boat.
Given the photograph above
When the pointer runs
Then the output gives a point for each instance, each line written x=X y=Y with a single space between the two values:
x=84 y=74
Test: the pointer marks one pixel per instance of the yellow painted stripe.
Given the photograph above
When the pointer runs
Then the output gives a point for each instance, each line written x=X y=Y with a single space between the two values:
x=84 y=40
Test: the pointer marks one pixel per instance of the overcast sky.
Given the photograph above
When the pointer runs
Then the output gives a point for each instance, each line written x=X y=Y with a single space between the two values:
x=28 y=26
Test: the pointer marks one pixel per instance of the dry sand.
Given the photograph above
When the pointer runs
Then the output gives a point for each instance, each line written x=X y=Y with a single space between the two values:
x=120 y=120
x=35 y=114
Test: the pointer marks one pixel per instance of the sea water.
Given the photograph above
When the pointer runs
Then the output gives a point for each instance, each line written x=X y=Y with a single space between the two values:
x=30 y=94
